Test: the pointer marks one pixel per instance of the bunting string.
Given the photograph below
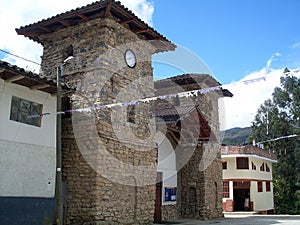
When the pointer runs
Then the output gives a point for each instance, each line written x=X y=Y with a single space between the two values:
x=202 y=91
x=279 y=138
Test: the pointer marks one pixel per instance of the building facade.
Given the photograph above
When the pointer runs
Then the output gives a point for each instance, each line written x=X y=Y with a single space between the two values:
x=247 y=179
x=189 y=151
x=127 y=161
x=27 y=147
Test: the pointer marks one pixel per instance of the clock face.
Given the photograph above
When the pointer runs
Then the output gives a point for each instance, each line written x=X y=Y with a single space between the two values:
x=130 y=58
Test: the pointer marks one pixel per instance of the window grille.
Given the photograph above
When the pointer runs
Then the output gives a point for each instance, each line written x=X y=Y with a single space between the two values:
x=25 y=111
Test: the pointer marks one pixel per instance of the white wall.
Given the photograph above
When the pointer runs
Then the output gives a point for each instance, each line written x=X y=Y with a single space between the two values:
x=261 y=200
x=167 y=165
x=27 y=153
x=23 y=133
x=26 y=170
x=233 y=173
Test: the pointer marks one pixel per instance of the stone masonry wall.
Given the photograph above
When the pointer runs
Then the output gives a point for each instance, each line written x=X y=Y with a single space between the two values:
x=169 y=212
x=109 y=162
x=198 y=162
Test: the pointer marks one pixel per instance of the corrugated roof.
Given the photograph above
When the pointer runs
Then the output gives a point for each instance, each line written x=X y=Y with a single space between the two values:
x=98 y=9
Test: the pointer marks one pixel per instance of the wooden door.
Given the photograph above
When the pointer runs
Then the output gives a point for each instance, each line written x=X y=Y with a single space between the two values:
x=158 y=199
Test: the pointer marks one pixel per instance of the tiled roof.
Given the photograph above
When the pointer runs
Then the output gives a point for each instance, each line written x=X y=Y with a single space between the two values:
x=198 y=81
x=180 y=111
x=14 y=74
x=98 y=9
x=191 y=114
x=248 y=150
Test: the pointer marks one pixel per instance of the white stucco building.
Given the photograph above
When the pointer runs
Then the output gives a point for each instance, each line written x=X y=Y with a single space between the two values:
x=27 y=146
x=247 y=174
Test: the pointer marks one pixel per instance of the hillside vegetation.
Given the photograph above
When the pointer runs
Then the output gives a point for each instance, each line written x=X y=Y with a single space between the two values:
x=236 y=135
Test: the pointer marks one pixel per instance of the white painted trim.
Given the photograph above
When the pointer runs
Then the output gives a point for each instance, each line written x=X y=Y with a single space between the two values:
x=248 y=155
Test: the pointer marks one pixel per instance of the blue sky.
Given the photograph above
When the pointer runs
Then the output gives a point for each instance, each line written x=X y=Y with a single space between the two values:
x=233 y=37
x=235 y=40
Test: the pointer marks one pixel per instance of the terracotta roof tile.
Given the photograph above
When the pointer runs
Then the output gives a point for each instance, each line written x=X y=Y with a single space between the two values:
x=81 y=14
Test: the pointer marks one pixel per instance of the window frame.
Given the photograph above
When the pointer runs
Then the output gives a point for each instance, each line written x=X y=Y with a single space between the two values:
x=268 y=186
x=21 y=108
x=224 y=165
x=226 y=189
x=242 y=163
x=267 y=168
x=259 y=186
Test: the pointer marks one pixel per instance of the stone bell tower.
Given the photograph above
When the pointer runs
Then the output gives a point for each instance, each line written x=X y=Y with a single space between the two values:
x=109 y=153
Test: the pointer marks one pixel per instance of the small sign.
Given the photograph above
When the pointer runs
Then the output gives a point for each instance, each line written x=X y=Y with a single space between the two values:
x=170 y=194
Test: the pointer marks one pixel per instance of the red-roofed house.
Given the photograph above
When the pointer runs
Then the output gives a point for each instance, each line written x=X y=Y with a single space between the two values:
x=247 y=179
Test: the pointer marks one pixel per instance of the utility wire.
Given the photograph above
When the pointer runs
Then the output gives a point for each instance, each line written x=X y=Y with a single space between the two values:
x=20 y=57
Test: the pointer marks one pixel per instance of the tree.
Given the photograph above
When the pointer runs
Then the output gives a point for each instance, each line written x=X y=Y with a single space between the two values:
x=278 y=117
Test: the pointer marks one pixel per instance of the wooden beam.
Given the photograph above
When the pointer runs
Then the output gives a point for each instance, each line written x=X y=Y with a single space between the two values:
x=31 y=33
x=173 y=136
x=45 y=29
x=126 y=21
x=141 y=31
x=108 y=8
x=64 y=22
x=173 y=129
x=39 y=86
x=14 y=79
x=84 y=17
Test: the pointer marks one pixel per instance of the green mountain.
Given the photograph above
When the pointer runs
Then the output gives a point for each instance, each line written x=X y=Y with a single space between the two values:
x=236 y=135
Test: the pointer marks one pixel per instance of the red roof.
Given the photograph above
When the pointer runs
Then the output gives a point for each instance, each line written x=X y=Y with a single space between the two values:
x=248 y=150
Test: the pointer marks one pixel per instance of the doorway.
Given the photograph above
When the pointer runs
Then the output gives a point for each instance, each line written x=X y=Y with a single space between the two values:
x=158 y=198
x=239 y=196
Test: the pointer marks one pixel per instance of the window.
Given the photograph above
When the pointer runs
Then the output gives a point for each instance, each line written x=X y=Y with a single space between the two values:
x=131 y=114
x=224 y=164
x=225 y=189
x=24 y=111
x=267 y=168
x=253 y=166
x=259 y=186
x=268 y=186
x=262 y=167
x=242 y=163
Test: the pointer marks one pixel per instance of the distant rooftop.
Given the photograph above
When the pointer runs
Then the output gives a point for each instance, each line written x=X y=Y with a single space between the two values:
x=248 y=150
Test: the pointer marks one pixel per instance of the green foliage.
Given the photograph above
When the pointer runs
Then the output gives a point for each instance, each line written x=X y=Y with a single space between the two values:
x=235 y=136
x=280 y=116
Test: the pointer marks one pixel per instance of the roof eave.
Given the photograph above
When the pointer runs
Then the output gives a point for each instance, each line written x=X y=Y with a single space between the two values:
x=83 y=14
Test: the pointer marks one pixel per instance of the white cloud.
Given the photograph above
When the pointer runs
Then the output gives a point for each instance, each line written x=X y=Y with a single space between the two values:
x=295 y=45
x=240 y=110
x=17 y=13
